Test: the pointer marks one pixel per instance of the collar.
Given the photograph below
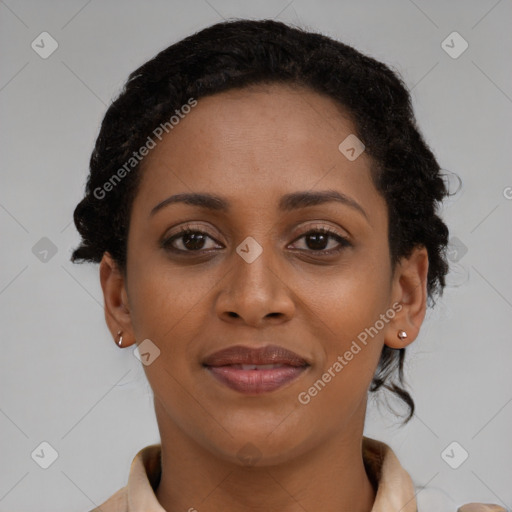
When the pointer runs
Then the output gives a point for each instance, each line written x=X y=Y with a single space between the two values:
x=395 y=490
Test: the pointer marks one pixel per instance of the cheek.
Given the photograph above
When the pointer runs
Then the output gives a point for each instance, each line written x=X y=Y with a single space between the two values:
x=351 y=312
x=337 y=388
x=350 y=299
x=166 y=299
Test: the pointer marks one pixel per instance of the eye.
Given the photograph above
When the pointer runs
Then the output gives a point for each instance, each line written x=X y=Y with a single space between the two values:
x=317 y=240
x=188 y=240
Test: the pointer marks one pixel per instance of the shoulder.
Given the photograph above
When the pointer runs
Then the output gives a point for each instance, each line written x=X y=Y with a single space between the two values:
x=116 y=503
x=396 y=489
x=436 y=499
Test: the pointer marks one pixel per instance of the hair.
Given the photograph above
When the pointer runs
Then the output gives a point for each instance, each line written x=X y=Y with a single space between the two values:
x=241 y=53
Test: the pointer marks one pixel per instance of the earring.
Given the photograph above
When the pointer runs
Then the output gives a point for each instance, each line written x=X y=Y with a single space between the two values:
x=401 y=335
x=120 y=334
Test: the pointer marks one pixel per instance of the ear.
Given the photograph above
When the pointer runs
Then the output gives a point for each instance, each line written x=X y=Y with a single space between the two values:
x=409 y=289
x=117 y=312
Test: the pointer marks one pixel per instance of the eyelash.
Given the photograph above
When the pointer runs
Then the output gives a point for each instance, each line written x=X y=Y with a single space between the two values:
x=344 y=243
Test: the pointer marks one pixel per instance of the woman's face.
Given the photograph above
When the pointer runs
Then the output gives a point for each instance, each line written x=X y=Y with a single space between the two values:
x=255 y=278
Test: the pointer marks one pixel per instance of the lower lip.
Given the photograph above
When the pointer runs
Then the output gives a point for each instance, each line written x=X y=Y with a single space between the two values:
x=255 y=381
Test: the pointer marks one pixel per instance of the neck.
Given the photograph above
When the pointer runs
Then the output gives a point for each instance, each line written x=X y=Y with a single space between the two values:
x=330 y=477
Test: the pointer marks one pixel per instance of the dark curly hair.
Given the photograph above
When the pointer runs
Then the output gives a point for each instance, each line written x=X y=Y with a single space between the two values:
x=240 y=53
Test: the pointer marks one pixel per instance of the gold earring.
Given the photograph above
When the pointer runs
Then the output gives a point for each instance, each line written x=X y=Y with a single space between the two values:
x=120 y=334
x=401 y=335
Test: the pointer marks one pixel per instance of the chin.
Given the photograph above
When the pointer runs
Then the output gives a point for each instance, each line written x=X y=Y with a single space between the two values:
x=261 y=444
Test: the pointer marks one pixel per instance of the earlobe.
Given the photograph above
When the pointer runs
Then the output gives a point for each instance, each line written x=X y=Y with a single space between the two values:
x=117 y=314
x=410 y=291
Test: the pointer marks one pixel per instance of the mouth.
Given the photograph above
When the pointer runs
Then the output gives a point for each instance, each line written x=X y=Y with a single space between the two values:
x=255 y=371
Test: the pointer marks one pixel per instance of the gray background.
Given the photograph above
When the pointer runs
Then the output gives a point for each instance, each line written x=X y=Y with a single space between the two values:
x=64 y=381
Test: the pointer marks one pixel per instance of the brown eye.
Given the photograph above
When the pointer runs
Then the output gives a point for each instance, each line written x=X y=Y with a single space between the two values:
x=193 y=240
x=187 y=240
x=317 y=240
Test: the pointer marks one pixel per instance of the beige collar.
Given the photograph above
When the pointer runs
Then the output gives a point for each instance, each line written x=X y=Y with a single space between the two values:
x=395 y=490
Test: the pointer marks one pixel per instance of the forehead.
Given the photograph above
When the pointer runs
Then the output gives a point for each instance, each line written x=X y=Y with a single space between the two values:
x=258 y=142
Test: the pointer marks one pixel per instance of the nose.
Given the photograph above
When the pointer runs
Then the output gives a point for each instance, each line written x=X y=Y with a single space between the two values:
x=255 y=293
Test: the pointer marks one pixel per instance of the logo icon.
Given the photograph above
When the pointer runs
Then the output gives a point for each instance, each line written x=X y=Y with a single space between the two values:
x=249 y=454
x=249 y=249
x=456 y=249
x=351 y=147
x=44 y=45
x=44 y=250
x=454 y=455
x=146 y=352
x=44 y=455
x=454 y=45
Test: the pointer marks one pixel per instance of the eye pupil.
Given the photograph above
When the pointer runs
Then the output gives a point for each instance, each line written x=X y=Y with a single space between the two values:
x=319 y=241
x=193 y=240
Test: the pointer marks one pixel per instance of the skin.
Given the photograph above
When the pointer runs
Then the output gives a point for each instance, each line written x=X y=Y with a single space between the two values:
x=252 y=146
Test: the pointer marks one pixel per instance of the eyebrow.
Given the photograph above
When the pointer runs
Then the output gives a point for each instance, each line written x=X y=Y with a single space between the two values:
x=287 y=202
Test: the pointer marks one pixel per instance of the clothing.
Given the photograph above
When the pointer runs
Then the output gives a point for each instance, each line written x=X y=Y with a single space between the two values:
x=395 y=490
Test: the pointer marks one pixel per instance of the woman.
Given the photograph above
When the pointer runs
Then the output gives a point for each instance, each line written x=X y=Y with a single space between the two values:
x=263 y=209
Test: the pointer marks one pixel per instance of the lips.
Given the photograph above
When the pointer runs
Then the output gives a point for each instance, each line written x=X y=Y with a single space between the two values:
x=239 y=354
x=254 y=371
